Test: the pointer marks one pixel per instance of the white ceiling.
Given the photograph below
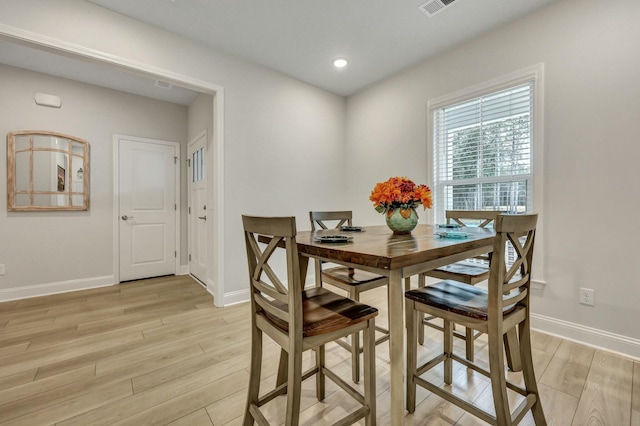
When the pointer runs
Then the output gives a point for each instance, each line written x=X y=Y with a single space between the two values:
x=299 y=38
x=302 y=37
x=88 y=72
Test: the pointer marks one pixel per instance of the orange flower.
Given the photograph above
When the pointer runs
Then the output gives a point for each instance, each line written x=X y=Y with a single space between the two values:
x=423 y=193
x=399 y=192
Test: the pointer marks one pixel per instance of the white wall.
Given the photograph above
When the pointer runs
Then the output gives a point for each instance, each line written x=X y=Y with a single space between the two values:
x=592 y=105
x=283 y=139
x=48 y=252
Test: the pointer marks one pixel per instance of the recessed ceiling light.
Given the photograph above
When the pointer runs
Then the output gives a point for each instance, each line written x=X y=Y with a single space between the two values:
x=340 y=63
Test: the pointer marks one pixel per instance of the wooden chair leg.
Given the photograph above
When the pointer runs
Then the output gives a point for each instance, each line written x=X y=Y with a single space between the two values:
x=294 y=384
x=255 y=370
x=320 y=377
x=407 y=287
x=528 y=373
x=414 y=318
x=355 y=357
x=422 y=282
x=369 y=344
x=355 y=345
x=283 y=368
x=498 y=379
x=512 y=349
x=448 y=350
x=318 y=273
x=469 y=343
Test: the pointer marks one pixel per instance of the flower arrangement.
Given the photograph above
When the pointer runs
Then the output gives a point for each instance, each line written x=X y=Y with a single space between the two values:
x=400 y=193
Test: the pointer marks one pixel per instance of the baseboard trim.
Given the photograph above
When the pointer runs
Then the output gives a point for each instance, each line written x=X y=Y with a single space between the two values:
x=538 y=284
x=47 y=289
x=622 y=345
x=233 y=298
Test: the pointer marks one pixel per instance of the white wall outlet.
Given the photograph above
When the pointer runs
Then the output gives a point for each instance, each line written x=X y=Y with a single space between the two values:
x=586 y=296
x=2 y=269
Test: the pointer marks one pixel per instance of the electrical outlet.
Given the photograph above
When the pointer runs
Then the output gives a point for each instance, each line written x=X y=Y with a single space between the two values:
x=2 y=269
x=586 y=296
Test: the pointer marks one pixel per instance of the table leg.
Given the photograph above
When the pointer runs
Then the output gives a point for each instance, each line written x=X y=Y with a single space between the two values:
x=396 y=346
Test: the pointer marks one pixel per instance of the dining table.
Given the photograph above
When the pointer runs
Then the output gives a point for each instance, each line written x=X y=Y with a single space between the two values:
x=377 y=249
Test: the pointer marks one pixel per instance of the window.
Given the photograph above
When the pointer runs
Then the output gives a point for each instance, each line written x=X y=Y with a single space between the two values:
x=197 y=169
x=483 y=151
x=486 y=148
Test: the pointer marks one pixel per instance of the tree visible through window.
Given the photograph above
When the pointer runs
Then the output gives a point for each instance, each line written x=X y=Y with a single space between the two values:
x=483 y=153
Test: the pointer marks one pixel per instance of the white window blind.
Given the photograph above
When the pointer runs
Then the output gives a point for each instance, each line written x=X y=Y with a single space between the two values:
x=483 y=153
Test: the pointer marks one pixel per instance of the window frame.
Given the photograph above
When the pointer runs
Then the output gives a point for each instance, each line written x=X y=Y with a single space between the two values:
x=536 y=74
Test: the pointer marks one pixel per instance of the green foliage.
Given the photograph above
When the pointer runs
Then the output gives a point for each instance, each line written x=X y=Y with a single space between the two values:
x=498 y=148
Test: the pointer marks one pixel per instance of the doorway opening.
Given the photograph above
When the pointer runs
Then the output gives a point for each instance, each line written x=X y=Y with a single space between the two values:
x=215 y=222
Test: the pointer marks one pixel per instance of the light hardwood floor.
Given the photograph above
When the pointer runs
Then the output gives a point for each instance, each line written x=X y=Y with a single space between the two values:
x=158 y=352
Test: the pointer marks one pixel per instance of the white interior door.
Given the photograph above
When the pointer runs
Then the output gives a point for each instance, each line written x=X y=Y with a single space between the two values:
x=147 y=207
x=196 y=161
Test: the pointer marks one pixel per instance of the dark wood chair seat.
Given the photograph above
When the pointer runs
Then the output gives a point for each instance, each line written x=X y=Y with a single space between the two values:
x=464 y=272
x=351 y=277
x=324 y=312
x=459 y=298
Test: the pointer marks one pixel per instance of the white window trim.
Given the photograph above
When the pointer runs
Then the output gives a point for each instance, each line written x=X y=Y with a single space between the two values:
x=535 y=73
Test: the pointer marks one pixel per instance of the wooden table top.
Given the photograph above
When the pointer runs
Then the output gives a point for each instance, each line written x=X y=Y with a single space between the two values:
x=377 y=247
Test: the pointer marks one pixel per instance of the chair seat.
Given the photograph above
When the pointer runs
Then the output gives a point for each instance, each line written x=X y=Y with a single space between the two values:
x=462 y=271
x=350 y=276
x=324 y=312
x=456 y=297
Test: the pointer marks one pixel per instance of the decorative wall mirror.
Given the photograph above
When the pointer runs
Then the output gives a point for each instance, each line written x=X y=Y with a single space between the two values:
x=47 y=171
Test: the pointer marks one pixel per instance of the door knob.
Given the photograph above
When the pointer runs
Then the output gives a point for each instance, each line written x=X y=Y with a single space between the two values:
x=202 y=217
x=125 y=217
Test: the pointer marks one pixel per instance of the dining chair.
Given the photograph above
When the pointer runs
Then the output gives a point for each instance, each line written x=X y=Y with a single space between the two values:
x=353 y=281
x=502 y=307
x=469 y=271
x=299 y=320
x=466 y=271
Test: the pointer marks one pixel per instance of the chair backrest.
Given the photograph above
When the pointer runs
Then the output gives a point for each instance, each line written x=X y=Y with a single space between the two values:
x=463 y=217
x=279 y=303
x=509 y=282
x=341 y=218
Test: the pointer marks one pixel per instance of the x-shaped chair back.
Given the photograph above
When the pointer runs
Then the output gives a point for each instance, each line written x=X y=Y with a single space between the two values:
x=483 y=218
x=269 y=295
x=341 y=218
x=511 y=279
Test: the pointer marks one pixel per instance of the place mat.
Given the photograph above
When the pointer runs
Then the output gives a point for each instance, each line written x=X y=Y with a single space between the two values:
x=352 y=228
x=332 y=238
x=449 y=225
x=452 y=235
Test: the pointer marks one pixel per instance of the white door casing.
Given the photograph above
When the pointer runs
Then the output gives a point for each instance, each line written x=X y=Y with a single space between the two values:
x=198 y=209
x=148 y=214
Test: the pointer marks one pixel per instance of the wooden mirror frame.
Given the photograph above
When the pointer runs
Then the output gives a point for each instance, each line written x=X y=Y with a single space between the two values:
x=65 y=179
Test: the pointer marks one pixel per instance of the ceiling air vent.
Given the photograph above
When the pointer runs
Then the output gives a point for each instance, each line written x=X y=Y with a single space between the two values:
x=432 y=7
x=163 y=85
